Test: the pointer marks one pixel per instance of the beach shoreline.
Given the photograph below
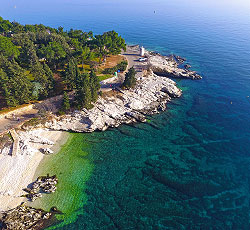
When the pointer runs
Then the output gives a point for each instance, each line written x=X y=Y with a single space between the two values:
x=17 y=172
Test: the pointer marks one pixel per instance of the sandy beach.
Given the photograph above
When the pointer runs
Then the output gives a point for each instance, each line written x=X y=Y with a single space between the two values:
x=17 y=172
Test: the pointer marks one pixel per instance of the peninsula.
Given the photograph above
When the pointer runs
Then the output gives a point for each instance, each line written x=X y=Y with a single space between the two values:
x=81 y=83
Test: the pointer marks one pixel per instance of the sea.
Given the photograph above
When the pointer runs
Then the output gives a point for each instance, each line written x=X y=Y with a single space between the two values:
x=185 y=168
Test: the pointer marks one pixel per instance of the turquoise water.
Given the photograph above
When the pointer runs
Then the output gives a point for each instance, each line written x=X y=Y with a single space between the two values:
x=189 y=167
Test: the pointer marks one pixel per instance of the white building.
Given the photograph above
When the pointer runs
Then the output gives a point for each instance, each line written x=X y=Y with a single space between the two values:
x=142 y=51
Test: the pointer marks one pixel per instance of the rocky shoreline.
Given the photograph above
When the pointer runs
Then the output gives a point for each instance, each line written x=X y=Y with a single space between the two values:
x=150 y=95
x=23 y=217
x=169 y=66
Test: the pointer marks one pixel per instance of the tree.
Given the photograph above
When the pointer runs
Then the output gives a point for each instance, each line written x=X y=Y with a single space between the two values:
x=83 y=92
x=70 y=74
x=84 y=54
x=109 y=43
x=53 y=52
x=117 y=42
x=94 y=85
x=15 y=84
x=7 y=48
x=8 y=99
x=130 y=80
x=16 y=27
x=100 y=45
x=65 y=102
x=28 y=56
x=60 y=30
x=50 y=76
x=43 y=78
x=5 y=25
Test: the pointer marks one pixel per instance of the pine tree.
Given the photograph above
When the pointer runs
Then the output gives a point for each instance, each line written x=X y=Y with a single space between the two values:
x=41 y=78
x=17 y=85
x=83 y=92
x=65 y=102
x=94 y=85
x=51 y=80
x=71 y=74
x=7 y=98
x=130 y=79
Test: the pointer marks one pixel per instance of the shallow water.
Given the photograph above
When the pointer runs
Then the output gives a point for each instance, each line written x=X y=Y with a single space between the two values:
x=189 y=167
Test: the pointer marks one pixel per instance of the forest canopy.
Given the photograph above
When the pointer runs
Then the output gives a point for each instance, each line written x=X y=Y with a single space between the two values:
x=38 y=61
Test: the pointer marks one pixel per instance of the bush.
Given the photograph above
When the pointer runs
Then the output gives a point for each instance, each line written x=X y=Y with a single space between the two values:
x=130 y=80
x=121 y=66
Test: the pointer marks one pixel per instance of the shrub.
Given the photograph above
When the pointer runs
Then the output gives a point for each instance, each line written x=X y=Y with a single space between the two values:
x=130 y=80
x=121 y=66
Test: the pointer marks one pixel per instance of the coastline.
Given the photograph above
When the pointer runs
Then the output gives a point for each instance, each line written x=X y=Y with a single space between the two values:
x=153 y=90
x=73 y=168
x=69 y=161
x=17 y=172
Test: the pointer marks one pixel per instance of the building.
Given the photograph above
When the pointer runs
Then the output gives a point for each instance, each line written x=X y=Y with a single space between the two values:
x=142 y=51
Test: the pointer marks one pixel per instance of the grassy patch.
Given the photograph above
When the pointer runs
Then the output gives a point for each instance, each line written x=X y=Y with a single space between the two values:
x=112 y=61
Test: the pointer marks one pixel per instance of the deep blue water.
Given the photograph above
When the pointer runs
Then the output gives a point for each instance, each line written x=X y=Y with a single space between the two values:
x=189 y=168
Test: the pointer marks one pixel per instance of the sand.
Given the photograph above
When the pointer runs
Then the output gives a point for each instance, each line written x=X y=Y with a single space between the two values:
x=16 y=173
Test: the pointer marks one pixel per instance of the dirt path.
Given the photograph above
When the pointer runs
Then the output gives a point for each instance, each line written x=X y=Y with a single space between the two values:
x=14 y=118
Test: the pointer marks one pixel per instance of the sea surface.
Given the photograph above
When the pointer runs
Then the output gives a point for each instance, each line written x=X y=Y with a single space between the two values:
x=186 y=168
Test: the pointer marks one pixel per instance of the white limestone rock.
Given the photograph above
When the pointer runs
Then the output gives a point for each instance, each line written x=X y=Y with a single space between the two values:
x=149 y=95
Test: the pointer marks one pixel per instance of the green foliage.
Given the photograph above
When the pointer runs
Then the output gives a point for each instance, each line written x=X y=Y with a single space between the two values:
x=50 y=77
x=44 y=77
x=94 y=86
x=7 y=48
x=28 y=56
x=87 y=87
x=109 y=43
x=130 y=79
x=53 y=52
x=5 y=25
x=121 y=66
x=14 y=83
x=70 y=74
x=31 y=55
x=83 y=91
x=65 y=103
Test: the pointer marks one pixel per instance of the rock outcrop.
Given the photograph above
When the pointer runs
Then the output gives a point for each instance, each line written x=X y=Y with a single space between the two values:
x=23 y=217
x=43 y=184
x=169 y=66
x=125 y=106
